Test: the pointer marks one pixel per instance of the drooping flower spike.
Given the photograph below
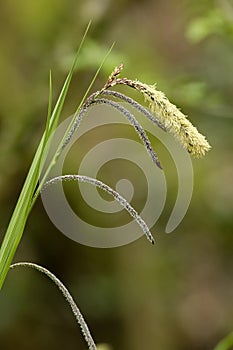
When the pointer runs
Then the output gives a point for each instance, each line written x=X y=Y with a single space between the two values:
x=77 y=313
x=121 y=200
x=167 y=116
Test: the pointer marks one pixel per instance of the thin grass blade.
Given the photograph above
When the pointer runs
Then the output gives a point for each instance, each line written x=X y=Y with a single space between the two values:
x=19 y=217
x=70 y=127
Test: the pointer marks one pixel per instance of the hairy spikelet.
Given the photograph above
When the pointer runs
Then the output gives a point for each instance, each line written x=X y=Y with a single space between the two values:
x=170 y=116
x=77 y=313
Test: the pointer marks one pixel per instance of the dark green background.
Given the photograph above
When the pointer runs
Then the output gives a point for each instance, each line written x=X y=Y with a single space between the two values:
x=176 y=295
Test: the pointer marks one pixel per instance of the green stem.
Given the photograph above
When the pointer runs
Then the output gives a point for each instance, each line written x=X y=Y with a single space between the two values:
x=24 y=204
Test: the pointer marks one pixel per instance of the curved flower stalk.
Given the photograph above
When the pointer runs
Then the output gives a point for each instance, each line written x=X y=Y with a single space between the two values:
x=169 y=115
x=75 y=125
x=94 y=100
x=106 y=188
x=79 y=317
x=139 y=129
x=135 y=104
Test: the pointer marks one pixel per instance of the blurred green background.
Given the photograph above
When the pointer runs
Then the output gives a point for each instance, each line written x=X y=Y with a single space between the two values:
x=178 y=294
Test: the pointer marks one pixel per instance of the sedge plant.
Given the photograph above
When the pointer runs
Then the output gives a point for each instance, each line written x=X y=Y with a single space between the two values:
x=160 y=111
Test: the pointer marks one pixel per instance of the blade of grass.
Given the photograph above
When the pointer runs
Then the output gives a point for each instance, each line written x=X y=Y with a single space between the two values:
x=46 y=132
x=56 y=155
x=19 y=217
x=49 y=109
x=226 y=343
x=58 y=107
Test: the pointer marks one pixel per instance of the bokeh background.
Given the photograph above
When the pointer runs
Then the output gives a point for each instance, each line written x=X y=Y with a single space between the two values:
x=177 y=294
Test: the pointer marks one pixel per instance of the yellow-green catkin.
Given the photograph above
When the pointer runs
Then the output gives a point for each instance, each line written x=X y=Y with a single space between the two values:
x=169 y=115
x=174 y=120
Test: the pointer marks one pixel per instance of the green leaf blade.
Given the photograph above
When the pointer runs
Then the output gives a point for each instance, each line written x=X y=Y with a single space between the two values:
x=25 y=201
